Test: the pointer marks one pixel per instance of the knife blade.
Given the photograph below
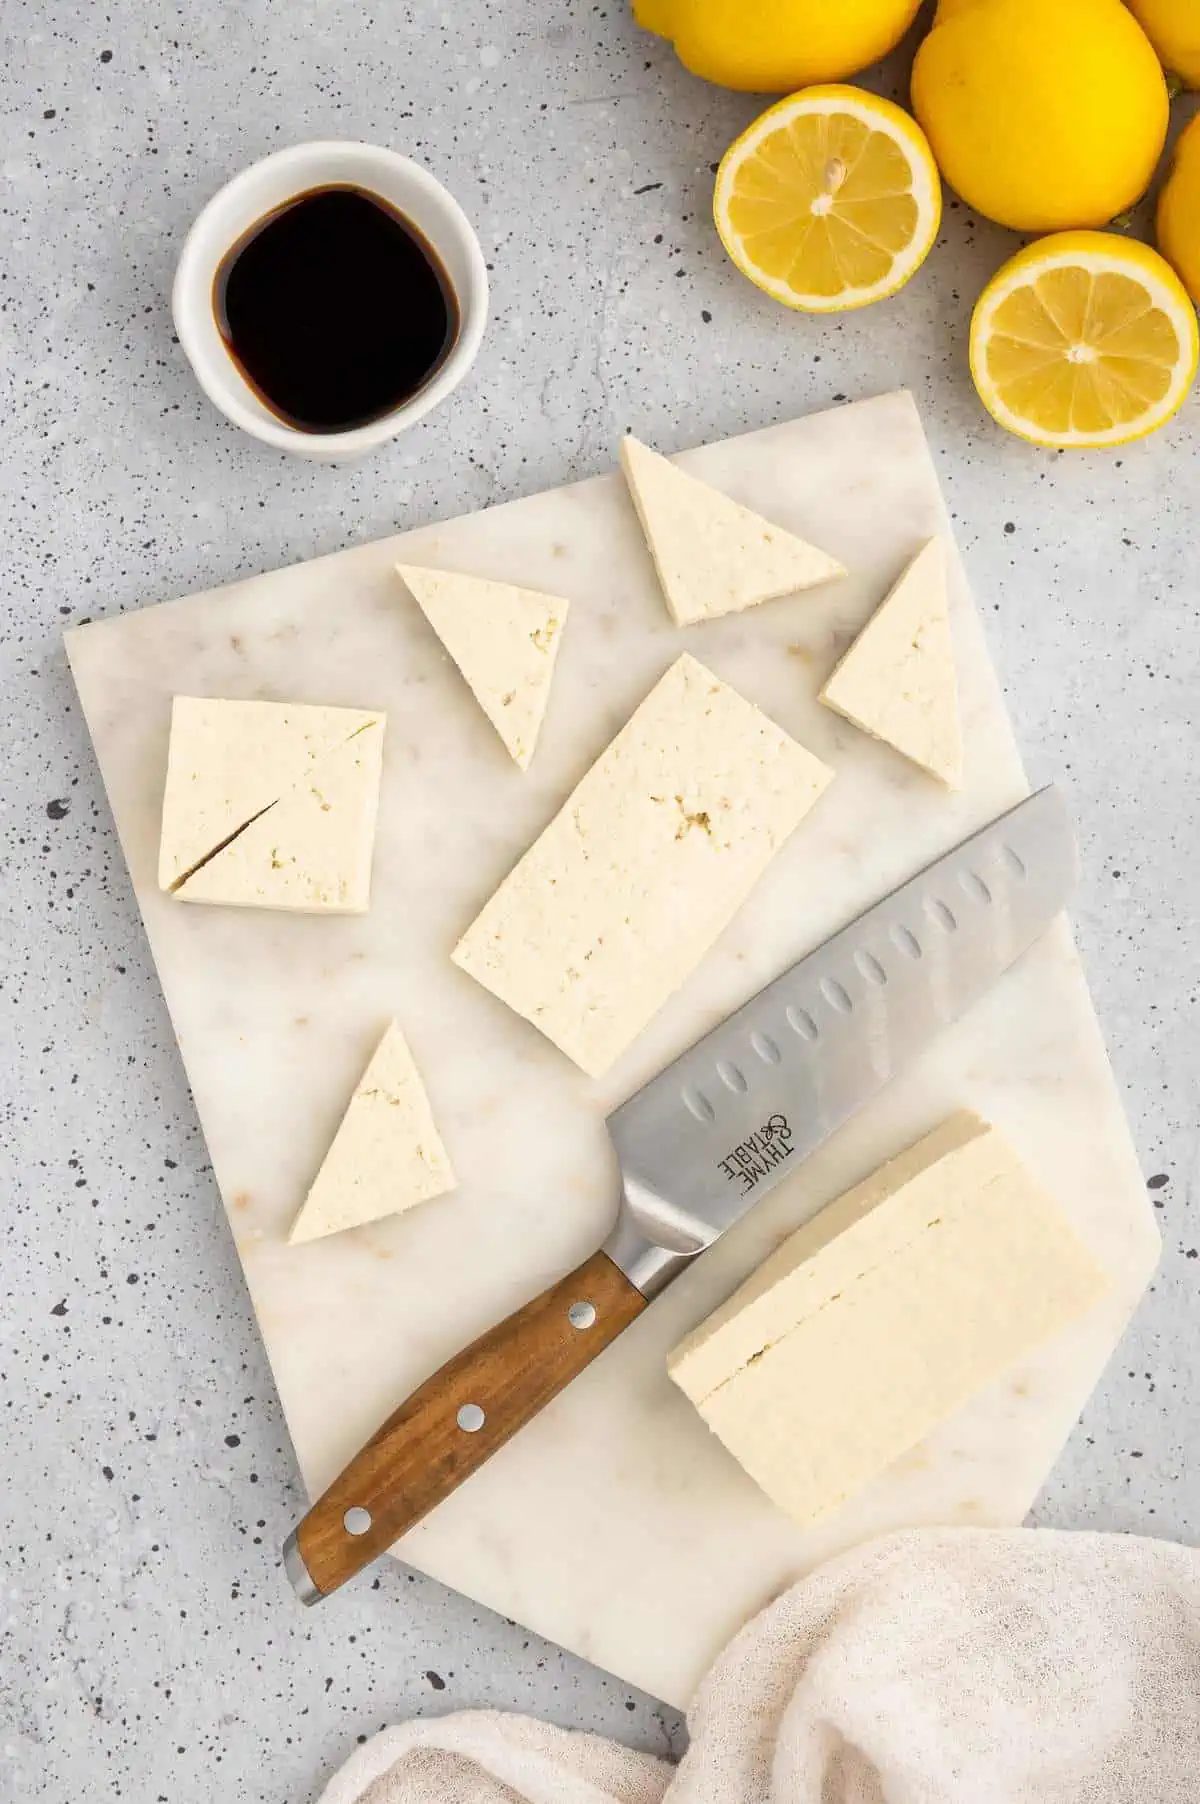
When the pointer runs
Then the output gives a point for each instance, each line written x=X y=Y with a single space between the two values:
x=698 y=1146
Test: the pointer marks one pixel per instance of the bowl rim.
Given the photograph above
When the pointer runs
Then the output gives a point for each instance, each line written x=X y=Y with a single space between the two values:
x=220 y=378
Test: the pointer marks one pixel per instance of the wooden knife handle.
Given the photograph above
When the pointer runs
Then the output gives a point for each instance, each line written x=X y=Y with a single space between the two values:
x=456 y=1421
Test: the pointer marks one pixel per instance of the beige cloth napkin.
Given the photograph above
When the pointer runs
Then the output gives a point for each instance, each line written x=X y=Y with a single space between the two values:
x=957 y=1666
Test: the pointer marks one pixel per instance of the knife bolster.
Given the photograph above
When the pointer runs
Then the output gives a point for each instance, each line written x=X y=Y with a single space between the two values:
x=648 y=1266
x=653 y=1241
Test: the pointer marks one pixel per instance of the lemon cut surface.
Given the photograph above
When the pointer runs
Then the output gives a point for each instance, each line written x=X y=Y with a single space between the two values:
x=830 y=200
x=1084 y=339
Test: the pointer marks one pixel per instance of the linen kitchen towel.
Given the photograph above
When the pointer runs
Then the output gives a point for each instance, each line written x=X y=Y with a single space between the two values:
x=956 y=1666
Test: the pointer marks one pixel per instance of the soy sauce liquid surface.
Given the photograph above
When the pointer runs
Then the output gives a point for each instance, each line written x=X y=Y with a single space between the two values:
x=335 y=308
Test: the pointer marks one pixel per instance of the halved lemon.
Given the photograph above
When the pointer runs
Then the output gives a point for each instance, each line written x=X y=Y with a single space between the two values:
x=1084 y=339
x=830 y=200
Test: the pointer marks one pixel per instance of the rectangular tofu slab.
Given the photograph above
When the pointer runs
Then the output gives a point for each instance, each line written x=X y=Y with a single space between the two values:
x=616 y=903
x=884 y=1314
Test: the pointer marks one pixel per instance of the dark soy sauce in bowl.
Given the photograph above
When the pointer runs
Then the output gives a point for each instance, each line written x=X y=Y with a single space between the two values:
x=335 y=309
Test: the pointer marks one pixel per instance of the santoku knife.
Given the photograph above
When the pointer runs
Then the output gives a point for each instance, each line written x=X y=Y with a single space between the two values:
x=698 y=1146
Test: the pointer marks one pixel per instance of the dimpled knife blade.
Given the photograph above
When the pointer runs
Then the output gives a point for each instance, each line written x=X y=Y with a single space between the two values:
x=710 y=1135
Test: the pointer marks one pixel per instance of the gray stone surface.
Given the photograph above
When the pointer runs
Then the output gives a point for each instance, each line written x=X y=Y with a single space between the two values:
x=147 y=1647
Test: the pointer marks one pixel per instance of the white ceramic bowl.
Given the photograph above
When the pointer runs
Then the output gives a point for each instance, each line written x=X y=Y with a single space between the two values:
x=258 y=191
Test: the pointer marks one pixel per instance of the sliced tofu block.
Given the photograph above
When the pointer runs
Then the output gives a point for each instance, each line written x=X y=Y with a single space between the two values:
x=884 y=1314
x=612 y=908
x=505 y=642
x=386 y=1156
x=227 y=761
x=712 y=555
x=309 y=851
x=897 y=680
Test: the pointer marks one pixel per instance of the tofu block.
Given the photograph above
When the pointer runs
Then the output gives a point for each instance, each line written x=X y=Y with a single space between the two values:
x=270 y=804
x=227 y=761
x=884 y=1314
x=505 y=642
x=310 y=851
x=616 y=903
x=897 y=680
x=713 y=556
x=386 y=1156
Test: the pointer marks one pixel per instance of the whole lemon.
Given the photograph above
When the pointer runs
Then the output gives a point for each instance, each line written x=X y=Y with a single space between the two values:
x=1179 y=211
x=775 y=46
x=1173 y=27
x=1043 y=114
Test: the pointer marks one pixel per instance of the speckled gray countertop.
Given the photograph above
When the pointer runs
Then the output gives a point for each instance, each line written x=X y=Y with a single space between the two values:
x=148 y=1649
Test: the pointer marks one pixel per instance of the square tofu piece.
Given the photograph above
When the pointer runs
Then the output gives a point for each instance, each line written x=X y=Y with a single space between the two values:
x=270 y=805
x=614 y=906
x=884 y=1315
x=386 y=1156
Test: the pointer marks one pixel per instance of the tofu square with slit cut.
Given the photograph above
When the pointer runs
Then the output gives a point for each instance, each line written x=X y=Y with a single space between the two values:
x=270 y=804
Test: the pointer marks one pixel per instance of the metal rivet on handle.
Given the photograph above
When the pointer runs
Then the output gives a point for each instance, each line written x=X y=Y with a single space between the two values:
x=582 y=1315
x=356 y=1521
x=471 y=1418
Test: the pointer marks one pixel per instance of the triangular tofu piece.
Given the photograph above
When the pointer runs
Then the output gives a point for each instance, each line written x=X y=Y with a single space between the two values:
x=897 y=680
x=228 y=760
x=309 y=851
x=713 y=556
x=387 y=1154
x=505 y=642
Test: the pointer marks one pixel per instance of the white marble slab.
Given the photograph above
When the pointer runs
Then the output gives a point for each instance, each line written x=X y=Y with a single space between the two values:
x=615 y=1524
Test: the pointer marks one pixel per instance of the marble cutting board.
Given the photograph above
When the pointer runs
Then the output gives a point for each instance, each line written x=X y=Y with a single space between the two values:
x=615 y=1524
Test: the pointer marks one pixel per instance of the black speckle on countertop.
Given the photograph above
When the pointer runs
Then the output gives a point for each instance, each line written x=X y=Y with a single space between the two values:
x=1159 y=1181
x=58 y=809
x=436 y=1680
